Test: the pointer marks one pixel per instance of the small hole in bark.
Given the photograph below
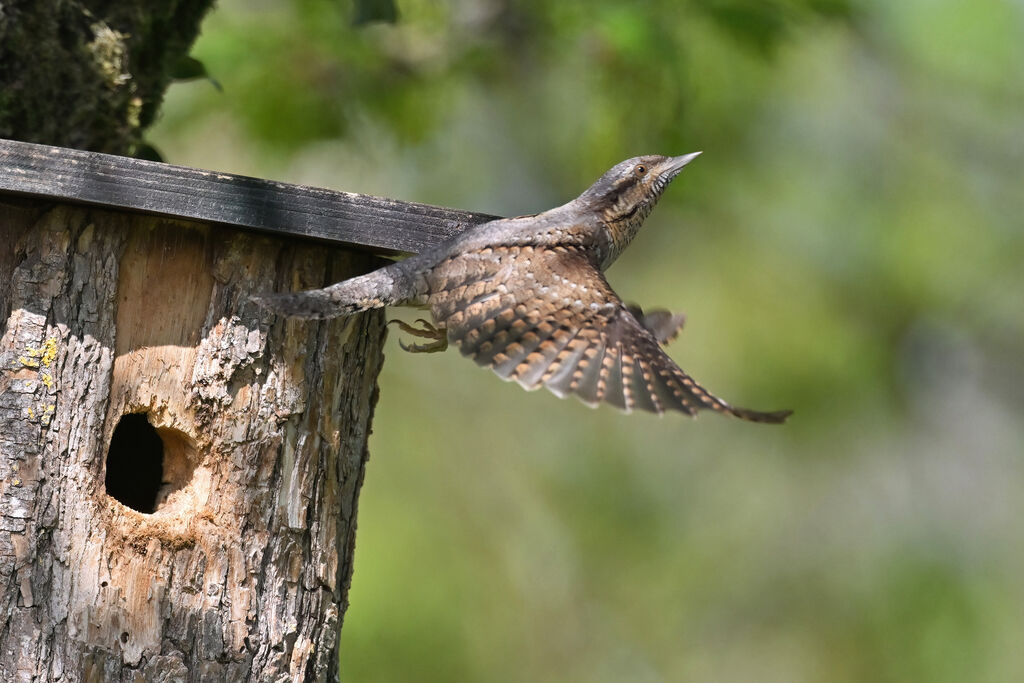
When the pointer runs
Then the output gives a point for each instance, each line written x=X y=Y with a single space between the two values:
x=103 y=584
x=146 y=464
x=135 y=463
x=124 y=637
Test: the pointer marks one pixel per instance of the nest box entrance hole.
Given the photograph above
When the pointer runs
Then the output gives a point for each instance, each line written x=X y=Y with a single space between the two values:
x=145 y=463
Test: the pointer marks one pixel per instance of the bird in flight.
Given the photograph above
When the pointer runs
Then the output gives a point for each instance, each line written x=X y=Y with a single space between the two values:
x=527 y=297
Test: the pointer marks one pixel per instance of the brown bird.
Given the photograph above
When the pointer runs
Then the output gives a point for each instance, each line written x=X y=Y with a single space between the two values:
x=527 y=298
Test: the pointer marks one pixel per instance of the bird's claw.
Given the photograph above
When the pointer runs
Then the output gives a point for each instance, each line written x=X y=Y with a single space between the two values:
x=426 y=331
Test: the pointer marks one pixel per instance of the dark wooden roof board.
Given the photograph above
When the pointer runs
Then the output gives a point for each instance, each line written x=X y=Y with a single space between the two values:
x=374 y=223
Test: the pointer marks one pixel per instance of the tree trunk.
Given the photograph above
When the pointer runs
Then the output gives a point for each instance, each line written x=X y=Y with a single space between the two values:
x=242 y=452
x=178 y=471
x=90 y=74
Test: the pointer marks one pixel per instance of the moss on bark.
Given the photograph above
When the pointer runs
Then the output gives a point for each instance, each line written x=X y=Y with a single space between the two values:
x=90 y=74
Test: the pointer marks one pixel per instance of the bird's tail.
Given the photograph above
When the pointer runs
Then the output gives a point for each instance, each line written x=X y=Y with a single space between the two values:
x=373 y=290
x=711 y=401
x=775 y=417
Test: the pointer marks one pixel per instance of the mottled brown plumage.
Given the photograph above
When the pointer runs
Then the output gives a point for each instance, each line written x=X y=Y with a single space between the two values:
x=527 y=298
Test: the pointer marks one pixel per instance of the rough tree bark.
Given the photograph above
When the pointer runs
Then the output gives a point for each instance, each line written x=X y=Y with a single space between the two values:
x=241 y=573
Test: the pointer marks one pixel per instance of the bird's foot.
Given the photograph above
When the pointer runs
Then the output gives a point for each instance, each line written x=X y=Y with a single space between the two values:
x=426 y=331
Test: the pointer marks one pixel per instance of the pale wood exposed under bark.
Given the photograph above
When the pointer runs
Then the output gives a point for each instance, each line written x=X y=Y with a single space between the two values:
x=241 y=574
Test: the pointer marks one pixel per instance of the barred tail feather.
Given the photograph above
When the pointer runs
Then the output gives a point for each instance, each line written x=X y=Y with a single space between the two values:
x=373 y=290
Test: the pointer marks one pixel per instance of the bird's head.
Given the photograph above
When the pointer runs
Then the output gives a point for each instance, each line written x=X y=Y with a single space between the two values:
x=629 y=190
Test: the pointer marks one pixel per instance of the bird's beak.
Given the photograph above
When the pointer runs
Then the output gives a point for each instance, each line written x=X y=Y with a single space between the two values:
x=673 y=165
x=677 y=163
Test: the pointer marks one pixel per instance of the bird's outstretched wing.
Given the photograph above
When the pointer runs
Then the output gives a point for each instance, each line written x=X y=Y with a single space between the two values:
x=664 y=325
x=558 y=324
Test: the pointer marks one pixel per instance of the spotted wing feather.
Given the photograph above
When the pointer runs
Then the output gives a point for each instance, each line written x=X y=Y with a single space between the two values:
x=547 y=317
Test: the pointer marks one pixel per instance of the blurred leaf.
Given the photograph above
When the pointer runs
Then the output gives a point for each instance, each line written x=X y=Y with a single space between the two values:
x=833 y=8
x=148 y=152
x=758 y=25
x=190 y=68
x=368 y=11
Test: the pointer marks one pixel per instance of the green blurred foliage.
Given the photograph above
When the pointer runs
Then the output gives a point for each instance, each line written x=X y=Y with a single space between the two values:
x=368 y=11
x=850 y=245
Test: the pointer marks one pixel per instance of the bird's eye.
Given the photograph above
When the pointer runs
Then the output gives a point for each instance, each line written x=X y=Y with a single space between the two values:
x=640 y=170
